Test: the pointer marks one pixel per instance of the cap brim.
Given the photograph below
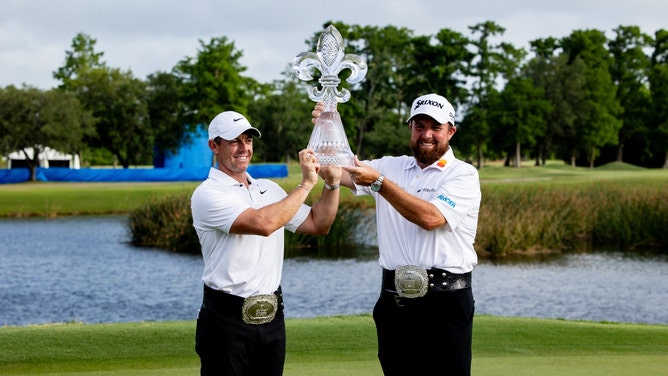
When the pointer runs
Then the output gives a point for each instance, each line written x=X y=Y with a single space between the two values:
x=253 y=131
x=425 y=114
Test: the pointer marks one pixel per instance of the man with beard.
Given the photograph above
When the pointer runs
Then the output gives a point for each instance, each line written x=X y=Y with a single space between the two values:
x=427 y=217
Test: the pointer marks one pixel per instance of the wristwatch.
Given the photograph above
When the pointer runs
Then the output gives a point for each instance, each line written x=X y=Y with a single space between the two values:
x=378 y=184
x=332 y=187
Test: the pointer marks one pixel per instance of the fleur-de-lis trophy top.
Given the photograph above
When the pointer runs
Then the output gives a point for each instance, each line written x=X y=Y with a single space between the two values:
x=328 y=138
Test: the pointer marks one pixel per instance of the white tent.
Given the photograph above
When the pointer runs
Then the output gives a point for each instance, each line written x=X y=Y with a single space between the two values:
x=47 y=158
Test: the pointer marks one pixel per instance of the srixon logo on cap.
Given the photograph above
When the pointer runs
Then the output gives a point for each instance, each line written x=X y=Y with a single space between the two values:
x=427 y=102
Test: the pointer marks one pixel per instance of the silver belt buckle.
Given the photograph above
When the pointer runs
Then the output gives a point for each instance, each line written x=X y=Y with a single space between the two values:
x=259 y=309
x=411 y=281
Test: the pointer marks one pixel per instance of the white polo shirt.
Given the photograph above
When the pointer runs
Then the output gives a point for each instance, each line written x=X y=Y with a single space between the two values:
x=241 y=265
x=453 y=187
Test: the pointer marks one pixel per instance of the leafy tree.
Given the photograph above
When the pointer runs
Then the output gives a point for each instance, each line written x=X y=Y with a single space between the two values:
x=116 y=99
x=384 y=100
x=81 y=59
x=628 y=70
x=658 y=80
x=32 y=118
x=440 y=66
x=483 y=72
x=518 y=101
x=597 y=116
x=520 y=117
x=165 y=108
x=567 y=97
x=212 y=82
x=543 y=70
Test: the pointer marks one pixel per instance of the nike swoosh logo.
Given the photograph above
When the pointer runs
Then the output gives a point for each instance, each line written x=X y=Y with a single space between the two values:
x=237 y=119
x=262 y=192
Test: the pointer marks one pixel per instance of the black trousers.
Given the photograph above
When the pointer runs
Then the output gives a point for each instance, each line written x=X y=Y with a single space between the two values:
x=431 y=335
x=228 y=346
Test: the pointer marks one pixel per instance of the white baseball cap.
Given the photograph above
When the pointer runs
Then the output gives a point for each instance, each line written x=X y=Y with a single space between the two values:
x=229 y=125
x=435 y=106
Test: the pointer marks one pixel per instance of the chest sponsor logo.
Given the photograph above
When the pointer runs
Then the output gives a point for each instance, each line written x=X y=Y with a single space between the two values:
x=447 y=200
x=426 y=190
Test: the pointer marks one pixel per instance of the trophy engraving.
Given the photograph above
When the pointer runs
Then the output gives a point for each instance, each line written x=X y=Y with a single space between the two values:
x=328 y=139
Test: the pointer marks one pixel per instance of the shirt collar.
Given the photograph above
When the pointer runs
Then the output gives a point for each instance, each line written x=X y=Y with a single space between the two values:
x=440 y=164
x=217 y=175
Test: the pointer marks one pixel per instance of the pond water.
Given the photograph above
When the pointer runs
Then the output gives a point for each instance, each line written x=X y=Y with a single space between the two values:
x=84 y=269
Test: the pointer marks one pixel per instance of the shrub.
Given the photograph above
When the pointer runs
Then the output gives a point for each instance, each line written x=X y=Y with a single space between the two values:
x=165 y=223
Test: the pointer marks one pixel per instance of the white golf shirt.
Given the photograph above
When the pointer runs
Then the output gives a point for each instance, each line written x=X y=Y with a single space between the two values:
x=241 y=265
x=453 y=187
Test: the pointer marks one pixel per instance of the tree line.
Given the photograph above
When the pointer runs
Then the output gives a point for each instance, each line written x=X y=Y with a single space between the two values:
x=585 y=98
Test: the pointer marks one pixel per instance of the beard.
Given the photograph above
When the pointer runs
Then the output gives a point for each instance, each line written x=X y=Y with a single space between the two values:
x=428 y=156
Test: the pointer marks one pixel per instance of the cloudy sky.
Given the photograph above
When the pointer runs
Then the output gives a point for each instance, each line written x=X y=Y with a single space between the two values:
x=146 y=36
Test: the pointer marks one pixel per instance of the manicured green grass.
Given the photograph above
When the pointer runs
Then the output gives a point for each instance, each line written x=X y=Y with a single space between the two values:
x=50 y=199
x=555 y=172
x=341 y=345
x=55 y=199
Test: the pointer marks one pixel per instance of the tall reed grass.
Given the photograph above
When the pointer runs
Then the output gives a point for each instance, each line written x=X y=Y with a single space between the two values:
x=543 y=218
x=513 y=219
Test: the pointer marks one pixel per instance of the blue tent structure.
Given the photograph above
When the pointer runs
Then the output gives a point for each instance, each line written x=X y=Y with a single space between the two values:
x=190 y=163
x=193 y=153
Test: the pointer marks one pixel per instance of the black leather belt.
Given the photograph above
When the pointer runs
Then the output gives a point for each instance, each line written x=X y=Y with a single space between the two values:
x=228 y=305
x=439 y=281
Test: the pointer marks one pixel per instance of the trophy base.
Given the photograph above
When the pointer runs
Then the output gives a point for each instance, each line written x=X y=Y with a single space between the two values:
x=329 y=142
x=338 y=160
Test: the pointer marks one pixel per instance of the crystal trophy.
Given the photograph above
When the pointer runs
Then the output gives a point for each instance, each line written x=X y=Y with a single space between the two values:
x=328 y=139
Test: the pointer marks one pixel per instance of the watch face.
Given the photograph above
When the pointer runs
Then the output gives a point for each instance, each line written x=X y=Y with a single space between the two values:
x=376 y=185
